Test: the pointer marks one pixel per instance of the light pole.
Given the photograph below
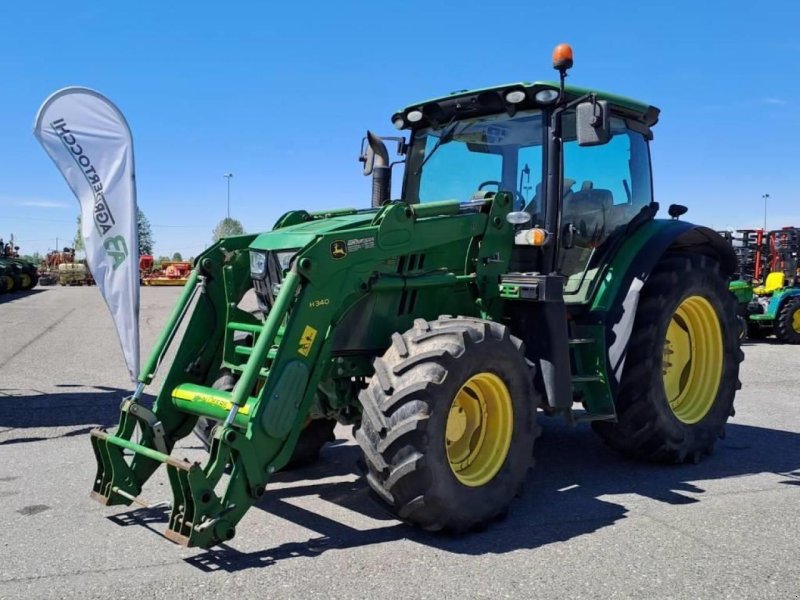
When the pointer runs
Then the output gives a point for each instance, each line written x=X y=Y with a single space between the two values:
x=765 y=197
x=228 y=177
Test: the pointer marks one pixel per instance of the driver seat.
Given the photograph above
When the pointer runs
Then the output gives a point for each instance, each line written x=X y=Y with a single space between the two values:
x=587 y=211
x=532 y=207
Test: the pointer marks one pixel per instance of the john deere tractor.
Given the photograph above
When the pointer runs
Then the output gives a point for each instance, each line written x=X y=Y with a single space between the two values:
x=16 y=274
x=522 y=268
x=774 y=307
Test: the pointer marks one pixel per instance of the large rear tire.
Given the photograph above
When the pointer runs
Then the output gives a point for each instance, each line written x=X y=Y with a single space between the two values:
x=313 y=437
x=682 y=366
x=787 y=327
x=448 y=423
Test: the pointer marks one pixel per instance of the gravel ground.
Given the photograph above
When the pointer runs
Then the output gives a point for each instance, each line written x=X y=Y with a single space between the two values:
x=591 y=524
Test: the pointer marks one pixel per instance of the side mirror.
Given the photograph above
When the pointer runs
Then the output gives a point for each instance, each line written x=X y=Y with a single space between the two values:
x=676 y=210
x=593 y=123
x=367 y=157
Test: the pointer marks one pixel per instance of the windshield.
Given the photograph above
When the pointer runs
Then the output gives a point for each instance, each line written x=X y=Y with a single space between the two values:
x=486 y=154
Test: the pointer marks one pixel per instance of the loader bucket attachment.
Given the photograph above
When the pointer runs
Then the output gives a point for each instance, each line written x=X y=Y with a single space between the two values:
x=253 y=440
x=193 y=519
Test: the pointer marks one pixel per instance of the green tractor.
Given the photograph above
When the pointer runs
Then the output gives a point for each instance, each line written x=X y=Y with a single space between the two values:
x=16 y=274
x=774 y=307
x=522 y=269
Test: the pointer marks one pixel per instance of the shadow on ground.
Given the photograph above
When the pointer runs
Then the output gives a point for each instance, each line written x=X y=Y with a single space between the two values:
x=564 y=498
x=5 y=298
x=29 y=408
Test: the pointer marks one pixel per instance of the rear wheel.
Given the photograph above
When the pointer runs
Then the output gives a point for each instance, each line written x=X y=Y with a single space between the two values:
x=313 y=437
x=682 y=366
x=448 y=423
x=787 y=327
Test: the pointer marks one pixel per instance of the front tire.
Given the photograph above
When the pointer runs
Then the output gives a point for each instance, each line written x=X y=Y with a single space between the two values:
x=787 y=328
x=682 y=366
x=448 y=423
x=13 y=282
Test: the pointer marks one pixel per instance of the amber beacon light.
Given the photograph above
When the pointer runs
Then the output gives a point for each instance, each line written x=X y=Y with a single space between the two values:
x=562 y=57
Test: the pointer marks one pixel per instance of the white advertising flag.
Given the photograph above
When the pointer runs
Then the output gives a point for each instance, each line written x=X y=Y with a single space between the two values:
x=90 y=142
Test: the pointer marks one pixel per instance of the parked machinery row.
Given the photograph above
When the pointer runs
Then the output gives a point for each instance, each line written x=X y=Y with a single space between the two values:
x=768 y=284
x=16 y=274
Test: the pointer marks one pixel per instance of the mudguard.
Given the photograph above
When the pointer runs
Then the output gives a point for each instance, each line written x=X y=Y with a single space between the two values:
x=616 y=298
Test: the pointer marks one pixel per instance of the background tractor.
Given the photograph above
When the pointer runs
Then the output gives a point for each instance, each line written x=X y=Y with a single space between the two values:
x=521 y=269
x=774 y=306
x=16 y=274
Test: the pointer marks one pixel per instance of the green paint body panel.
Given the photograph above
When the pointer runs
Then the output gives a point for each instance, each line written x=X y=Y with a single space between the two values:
x=776 y=301
x=742 y=290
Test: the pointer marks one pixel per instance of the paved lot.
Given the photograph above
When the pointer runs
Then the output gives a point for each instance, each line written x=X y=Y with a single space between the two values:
x=591 y=523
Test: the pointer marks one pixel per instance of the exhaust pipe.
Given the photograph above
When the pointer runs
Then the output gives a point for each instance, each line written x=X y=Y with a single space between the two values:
x=376 y=162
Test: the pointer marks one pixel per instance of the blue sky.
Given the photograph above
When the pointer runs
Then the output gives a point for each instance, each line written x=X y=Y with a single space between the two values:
x=280 y=94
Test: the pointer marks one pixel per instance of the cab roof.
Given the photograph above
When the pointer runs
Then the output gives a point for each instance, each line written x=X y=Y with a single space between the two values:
x=491 y=100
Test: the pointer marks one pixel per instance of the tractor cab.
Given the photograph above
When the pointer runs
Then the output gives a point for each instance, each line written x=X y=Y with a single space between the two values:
x=576 y=163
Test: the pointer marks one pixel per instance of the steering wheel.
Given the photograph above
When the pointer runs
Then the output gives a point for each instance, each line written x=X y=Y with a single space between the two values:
x=490 y=182
x=519 y=199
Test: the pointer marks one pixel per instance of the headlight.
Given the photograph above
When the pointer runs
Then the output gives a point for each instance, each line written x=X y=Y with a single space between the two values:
x=267 y=269
x=258 y=263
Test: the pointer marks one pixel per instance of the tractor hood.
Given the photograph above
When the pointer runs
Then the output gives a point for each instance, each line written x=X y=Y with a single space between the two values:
x=298 y=229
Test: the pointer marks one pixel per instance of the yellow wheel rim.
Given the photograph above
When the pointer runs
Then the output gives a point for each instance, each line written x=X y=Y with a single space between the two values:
x=9 y=284
x=24 y=280
x=693 y=356
x=796 y=321
x=479 y=429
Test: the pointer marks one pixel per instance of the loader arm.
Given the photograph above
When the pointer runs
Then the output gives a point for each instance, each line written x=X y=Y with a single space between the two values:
x=332 y=275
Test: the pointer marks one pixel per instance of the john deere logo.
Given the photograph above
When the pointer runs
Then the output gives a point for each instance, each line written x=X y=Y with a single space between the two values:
x=338 y=249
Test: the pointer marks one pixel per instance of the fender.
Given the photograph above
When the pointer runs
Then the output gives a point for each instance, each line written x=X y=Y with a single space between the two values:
x=616 y=297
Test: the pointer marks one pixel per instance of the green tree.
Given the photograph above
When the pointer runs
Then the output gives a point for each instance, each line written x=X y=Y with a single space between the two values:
x=146 y=242
x=226 y=228
x=77 y=243
x=177 y=256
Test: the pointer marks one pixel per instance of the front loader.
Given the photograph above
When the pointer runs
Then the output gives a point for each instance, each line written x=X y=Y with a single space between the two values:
x=522 y=269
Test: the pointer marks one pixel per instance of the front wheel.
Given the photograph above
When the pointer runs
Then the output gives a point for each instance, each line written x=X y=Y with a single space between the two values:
x=682 y=365
x=12 y=282
x=448 y=423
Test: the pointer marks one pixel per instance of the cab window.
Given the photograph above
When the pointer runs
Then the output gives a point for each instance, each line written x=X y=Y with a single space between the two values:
x=604 y=188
